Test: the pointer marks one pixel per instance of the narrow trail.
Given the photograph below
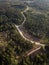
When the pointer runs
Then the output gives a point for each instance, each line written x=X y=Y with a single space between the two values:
x=32 y=51
x=21 y=33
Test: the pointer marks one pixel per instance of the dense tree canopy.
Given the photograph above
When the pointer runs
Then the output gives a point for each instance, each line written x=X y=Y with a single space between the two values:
x=15 y=44
x=37 y=25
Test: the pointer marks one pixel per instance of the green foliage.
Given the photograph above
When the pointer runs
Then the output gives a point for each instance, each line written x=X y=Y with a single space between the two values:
x=12 y=14
x=41 y=58
x=37 y=25
x=16 y=45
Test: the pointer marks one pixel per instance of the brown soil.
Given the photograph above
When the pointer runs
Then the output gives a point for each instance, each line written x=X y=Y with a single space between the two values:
x=28 y=36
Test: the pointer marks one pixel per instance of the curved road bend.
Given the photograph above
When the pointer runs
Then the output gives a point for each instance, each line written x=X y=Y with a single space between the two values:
x=17 y=26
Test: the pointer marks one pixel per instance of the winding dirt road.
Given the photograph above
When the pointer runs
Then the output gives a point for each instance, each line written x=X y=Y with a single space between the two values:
x=21 y=33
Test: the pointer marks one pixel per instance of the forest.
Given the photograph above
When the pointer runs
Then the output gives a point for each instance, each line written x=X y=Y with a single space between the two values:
x=15 y=45
x=37 y=24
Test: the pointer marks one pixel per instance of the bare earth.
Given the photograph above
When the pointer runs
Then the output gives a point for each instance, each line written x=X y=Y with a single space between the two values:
x=27 y=37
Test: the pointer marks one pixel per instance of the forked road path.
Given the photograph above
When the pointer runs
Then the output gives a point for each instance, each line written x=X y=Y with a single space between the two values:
x=21 y=33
